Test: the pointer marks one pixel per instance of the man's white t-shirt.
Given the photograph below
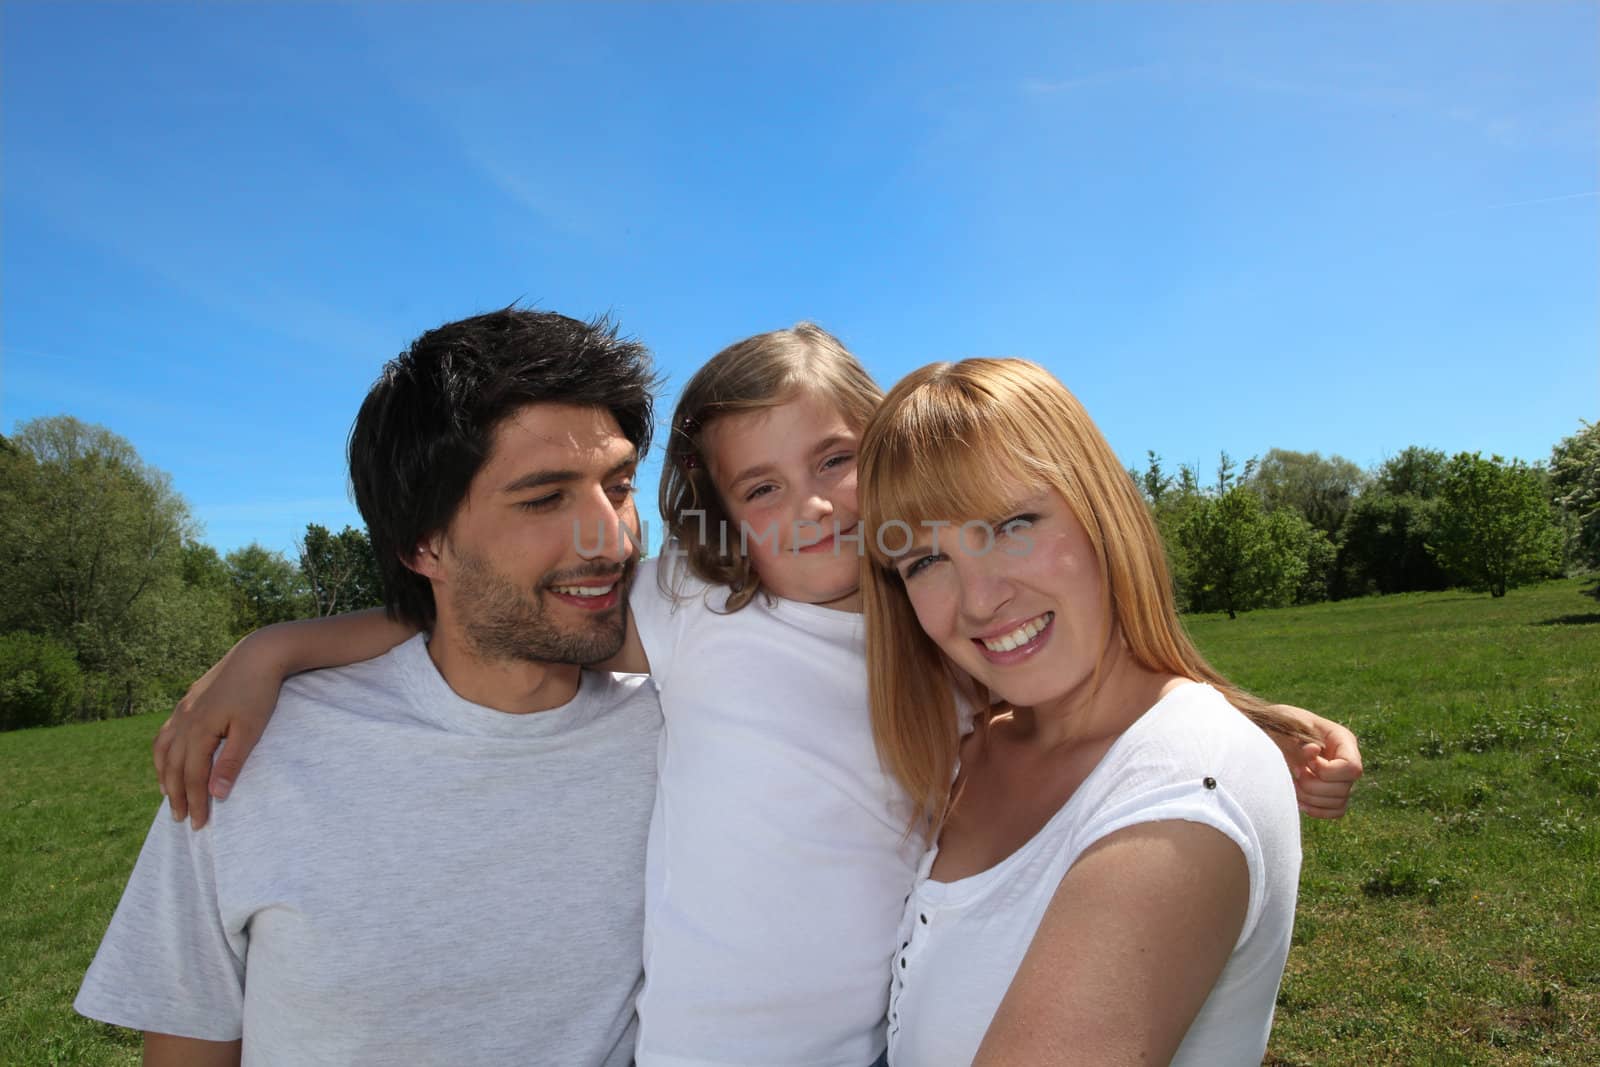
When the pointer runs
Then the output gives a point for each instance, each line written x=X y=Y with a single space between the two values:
x=779 y=861
x=402 y=877
x=1192 y=757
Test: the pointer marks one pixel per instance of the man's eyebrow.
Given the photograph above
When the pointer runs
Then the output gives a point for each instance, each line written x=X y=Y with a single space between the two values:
x=539 y=479
x=630 y=460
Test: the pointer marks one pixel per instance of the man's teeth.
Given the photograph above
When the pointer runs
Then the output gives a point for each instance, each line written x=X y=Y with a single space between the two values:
x=1020 y=636
x=584 y=590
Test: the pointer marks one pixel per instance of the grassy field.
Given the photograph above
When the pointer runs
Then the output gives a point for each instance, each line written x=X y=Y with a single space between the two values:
x=1452 y=918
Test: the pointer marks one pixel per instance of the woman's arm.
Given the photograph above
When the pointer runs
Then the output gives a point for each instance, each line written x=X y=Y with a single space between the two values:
x=1127 y=952
x=233 y=701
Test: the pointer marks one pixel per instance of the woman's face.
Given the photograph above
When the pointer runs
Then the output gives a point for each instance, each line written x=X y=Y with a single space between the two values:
x=1022 y=613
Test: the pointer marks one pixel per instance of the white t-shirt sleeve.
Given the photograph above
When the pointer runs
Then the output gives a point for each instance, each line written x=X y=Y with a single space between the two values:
x=167 y=963
x=664 y=600
x=1195 y=801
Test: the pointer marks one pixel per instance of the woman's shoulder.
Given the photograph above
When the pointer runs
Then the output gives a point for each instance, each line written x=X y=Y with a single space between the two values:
x=1194 y=722
x=1192 y=741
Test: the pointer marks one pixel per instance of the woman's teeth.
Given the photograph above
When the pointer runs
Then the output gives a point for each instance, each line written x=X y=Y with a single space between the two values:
x=1020 y=636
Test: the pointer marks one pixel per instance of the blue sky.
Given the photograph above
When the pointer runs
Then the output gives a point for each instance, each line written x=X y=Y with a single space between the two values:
x=1348 y=228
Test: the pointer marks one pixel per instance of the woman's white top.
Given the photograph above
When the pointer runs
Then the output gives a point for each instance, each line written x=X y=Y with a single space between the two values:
x=1191 y=757
x=778 y=862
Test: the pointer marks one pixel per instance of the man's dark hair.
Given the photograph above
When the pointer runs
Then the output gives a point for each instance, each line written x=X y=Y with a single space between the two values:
x=427 y=425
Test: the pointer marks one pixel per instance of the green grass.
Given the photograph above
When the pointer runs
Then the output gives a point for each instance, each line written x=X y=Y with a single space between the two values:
x=1452 y=918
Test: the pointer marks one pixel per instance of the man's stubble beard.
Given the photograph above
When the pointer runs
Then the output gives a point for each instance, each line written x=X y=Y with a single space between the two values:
x=501 y=621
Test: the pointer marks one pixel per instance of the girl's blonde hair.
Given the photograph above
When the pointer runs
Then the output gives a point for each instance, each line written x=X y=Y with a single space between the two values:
x=943 y=445
x=759 y=372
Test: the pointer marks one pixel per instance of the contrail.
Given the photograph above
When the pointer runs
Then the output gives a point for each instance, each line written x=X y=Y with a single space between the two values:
x=1548 y=199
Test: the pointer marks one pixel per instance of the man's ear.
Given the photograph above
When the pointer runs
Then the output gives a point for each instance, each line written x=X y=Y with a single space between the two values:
x=427 y=558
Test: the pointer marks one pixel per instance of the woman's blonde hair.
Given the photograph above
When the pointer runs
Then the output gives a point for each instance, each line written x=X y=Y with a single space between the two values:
x=944 y=445
x=759 y=372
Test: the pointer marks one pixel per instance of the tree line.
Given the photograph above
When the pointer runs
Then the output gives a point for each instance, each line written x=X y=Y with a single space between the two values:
x=113 y=604
x=1298 y=528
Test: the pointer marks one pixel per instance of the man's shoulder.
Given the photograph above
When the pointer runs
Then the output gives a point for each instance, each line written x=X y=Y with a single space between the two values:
x=620 y=698
x=377 y=688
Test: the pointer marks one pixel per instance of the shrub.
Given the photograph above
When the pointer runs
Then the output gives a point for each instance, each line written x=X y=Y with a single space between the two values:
x=40 y=683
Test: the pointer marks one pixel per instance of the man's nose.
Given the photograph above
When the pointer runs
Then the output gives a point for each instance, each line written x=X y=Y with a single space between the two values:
x=604 y=533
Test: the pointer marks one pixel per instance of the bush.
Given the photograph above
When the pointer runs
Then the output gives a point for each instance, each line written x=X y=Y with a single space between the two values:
x=40 y=683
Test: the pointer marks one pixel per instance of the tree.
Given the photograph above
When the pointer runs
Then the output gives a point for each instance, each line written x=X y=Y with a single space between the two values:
x=40 y=683
x=265 y=587
x=92 y=553
x=1495 y=527
x=1416 y=471
x=1575 y=483
x=1319 y=489
x=202 y=567
x=340 y=570
x=1239 y=556
x=1383 y=542
x=1384 y=546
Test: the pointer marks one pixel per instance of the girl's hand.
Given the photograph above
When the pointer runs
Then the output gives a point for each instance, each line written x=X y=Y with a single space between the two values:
x=1325 y=772
x=234 y=699
x=231 y=702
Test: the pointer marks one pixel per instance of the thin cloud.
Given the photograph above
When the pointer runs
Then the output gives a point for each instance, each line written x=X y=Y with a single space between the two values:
x=1591 y=194
x=1051 y=87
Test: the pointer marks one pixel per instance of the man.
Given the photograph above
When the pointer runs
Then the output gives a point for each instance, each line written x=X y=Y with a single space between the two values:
x=436 y=856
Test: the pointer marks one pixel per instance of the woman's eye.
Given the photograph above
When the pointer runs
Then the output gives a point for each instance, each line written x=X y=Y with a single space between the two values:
x=920 y=564
x=1016 y=523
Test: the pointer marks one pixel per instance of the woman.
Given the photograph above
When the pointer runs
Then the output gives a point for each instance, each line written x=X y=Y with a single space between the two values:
x=1114 y=869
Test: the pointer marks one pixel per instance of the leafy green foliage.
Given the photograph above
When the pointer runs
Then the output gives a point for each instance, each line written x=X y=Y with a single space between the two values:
x=40 y=683
x=99 y=554
x=1238 y=556
x=265 y=587
x=1495 y=529
x=340 y=570
x=1575 y=482
x=1319 y=489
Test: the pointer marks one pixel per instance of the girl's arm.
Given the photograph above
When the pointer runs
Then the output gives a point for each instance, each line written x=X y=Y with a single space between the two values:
x=234 y=699
x=1323 y=773
x=1127 y=952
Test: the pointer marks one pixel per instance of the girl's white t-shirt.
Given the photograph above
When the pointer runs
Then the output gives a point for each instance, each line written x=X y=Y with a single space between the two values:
x=1193 y=757
x=778 y=863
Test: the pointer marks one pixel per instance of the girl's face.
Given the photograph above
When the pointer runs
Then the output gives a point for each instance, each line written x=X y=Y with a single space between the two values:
x=787 y=478
x=1022 y=613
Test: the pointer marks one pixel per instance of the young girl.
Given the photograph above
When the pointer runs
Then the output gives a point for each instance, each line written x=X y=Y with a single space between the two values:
x=779 y=860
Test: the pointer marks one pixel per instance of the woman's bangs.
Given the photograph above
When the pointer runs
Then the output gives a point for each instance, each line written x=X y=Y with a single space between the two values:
x=957 y=474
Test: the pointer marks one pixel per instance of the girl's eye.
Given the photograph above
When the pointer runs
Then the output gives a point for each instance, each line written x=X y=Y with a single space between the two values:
x=759 y=491
x=840 y=460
